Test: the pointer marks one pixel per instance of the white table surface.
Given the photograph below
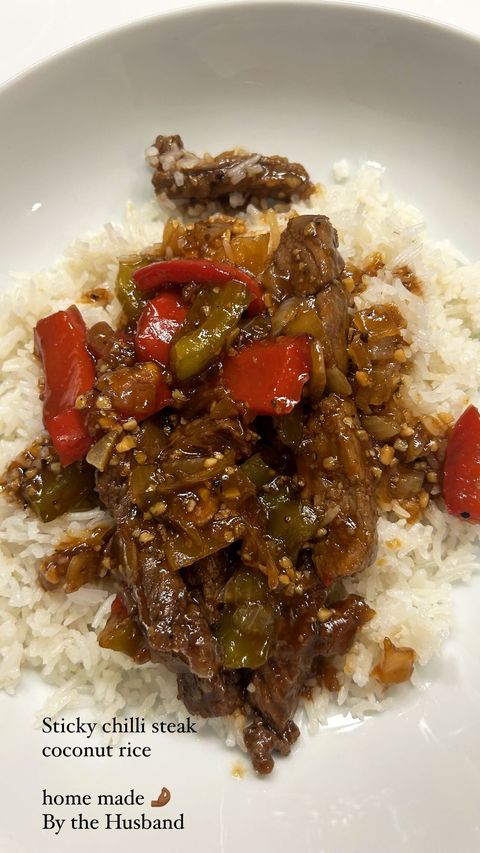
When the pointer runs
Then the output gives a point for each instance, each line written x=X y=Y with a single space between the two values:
x=31 y=30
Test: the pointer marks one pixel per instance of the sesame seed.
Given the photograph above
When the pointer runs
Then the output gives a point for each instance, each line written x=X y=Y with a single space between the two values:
x=330 y=462
x=401 y=445
x=106 y=423
x=158 y=508
x=445 y=417
x=127 y=443
x=103 y=402
x=284 y=580
x=232 y=494
x=324 y=614
x=432 y=477
x=400 y=356
x=387 y=454
x=140 y=456
x=130 y=425
x=210 y=462
x=145 y=536
x=423 y=499
x=362 y=378
x=191 y=505
x=81 y=402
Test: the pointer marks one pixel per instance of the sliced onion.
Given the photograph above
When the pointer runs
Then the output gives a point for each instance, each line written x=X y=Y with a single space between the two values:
x=396 y=665
x=338 y=383
x=285 y=312
x=318 y=376
x=100 y=454
x=381 y=428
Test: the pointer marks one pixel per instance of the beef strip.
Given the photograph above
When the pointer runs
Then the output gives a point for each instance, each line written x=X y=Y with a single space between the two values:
x=182 y=175
x=205 y=581
x=261 y=741
x=307 y=263
x=302 y=641
x=333 y=464
x=331 y=305
x=306 y=259
x=216 y=696
x=177 y=632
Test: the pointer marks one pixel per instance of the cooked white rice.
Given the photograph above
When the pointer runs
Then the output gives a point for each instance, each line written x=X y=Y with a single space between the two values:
x=408 y=586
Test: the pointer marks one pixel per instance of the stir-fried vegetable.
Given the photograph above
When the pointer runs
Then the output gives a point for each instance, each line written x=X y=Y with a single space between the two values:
x=130 y=297
x=461 y=476
x=291 y=521
x=183 y=549
x=136 y=392
x=161 y=318
x=76 y=562
x=122 y=634
x=396 y=665
x=50 y=493
x=60 y=342
x=289 y=428
x=246 y=627
x=257 y=470
x=192 y=352
x=268 y=376
x=245 y=635
x=151 y=440
x=181 y=271
x=149 y=483
x=244 y=586
x=102 y=451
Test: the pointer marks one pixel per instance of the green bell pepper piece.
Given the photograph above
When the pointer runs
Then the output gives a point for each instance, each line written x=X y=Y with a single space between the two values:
x=130 y=297
x=291 y=521
x=257 y=470
x=191 y=353
x=51 y=494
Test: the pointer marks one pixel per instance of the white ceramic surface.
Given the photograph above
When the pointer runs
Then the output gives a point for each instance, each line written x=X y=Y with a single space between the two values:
x=31 y=31
x=318 y=83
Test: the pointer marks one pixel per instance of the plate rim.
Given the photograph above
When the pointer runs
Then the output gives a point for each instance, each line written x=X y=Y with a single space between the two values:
x=297 y=7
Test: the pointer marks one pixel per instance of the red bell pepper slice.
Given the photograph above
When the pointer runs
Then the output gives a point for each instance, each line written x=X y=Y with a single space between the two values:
x=69 y=435
x=60 y=342
x=461 y=473
x=183 y=270
x=268 y=376
x=157 y=326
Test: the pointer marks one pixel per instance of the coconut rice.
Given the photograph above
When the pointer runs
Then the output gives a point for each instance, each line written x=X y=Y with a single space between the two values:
x=408 y=585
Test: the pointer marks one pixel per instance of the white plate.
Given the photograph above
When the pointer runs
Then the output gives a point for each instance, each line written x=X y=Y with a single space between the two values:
x=318 y=83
